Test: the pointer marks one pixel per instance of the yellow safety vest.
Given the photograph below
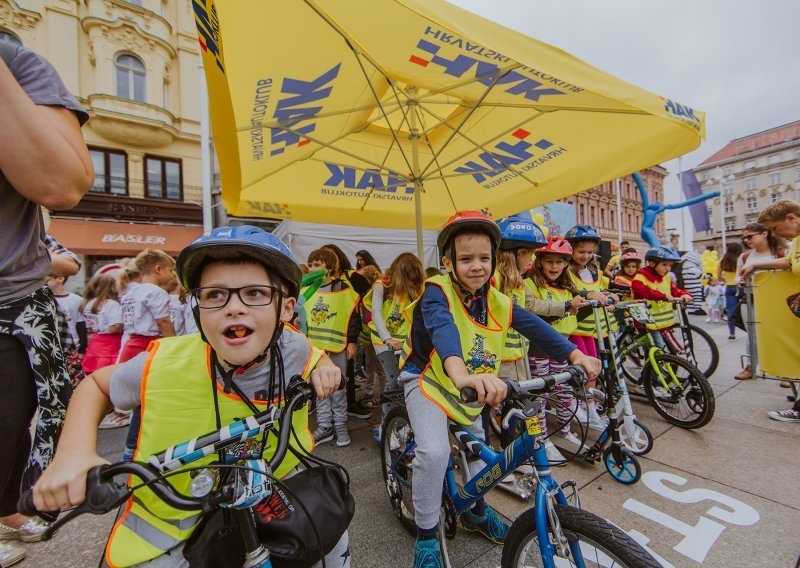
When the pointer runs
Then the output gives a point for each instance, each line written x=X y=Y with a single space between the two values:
x=396 y=323
x=327 y=317
x=569 y=321
x=177 y=406
x=516 y=346
x=663 y=316
x=624 y=282
x=481 y=345
x=587 y=327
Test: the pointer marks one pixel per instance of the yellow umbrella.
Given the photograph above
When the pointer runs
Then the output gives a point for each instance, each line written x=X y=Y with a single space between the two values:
x=396 y=113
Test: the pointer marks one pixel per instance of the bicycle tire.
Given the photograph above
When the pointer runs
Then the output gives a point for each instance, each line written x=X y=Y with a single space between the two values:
x=595 y=534
x=696 y=396
x=628 y=472
x=393 y=432
x=639 y=442
x=711 y=348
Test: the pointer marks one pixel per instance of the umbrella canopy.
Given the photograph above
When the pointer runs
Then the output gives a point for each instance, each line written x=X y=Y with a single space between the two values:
x=396 y=113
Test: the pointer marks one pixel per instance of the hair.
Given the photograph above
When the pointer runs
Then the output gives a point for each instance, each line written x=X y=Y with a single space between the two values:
x=536 y=273
x=624 y=243
x=627 y=250
x=510 y=277
x=776 y=244
x=344 y=262
x=327 y=256
x=779 y=210
x=432 y=271
x=148 y=259
x=100 y=288
x=128 y=274
x=370 y=273
x=369 y=260
x=405 y=277
x=732 y=252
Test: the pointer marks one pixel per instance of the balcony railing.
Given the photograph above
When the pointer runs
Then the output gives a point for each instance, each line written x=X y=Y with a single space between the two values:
x=121 y=186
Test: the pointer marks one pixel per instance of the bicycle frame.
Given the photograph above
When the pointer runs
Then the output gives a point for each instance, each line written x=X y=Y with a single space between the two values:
x=527 y=447
x=645 y=340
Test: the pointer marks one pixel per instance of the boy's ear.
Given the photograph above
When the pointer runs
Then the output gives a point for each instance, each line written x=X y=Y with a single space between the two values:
x=287 y=309
x=447 y=264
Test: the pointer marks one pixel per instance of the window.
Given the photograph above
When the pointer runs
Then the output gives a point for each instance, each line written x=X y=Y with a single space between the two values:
x=710 y=211
x=729 y=207
x=775 y=178
x=730 y=224
x=750 y=184
x=752 y=201
x=727 y=188
x=110 y=171
x=776 y=196
x=774 y=159
x=602 y=217
x=162 y=178
x=8 y=37
x=751 y=165
x=630 y=222
x=727 y=171
x=580 y=220
x=130 y=78
x=591 y=215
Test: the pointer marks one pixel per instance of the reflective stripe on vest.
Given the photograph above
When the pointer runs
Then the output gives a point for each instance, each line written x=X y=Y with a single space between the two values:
x=393 y=319
x=482 y=347
x=661 y=312
x=568 y=322
x=177 y=406
x=516 y=346
x=327 y=314
x=587 y=326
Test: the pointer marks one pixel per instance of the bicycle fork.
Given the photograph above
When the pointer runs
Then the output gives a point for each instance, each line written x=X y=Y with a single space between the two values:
x=674 y=379
x=548 y=493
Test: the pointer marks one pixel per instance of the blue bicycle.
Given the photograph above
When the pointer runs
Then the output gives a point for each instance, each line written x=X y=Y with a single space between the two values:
x=552 y=533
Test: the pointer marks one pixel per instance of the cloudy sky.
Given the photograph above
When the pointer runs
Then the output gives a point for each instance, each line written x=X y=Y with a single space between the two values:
x=739 y=61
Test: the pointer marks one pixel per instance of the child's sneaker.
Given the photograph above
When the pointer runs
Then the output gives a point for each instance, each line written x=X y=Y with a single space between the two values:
x=784 y=415
x=488 y=524
x=597 y=422
x=376 y=434
x=555 y=457
x=358 y=410
x=322 y=435
x=570 y=438
x=12 y=554
x=342 y=435
x=427 y=554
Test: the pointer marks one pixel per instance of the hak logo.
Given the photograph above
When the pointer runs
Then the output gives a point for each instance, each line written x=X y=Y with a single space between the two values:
x=293 y=108
x=484 y=72
x=505 y=154
x=680 y=110
x=345 y=176
x=207 y=23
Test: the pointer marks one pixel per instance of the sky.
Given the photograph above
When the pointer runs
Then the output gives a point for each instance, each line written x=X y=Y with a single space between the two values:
x=738 y=61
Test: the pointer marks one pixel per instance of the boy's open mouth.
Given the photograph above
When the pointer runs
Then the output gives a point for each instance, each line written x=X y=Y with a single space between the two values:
x=237 y=331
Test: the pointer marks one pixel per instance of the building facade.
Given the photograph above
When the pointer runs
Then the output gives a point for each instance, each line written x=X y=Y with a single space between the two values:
x=598 y=207
x=750 y=173
x=134 y=65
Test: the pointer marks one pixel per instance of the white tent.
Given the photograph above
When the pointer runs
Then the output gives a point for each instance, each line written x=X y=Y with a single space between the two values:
x=383 y=244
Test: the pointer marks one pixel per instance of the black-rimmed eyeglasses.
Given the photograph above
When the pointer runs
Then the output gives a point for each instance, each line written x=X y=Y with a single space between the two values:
x=214 y=298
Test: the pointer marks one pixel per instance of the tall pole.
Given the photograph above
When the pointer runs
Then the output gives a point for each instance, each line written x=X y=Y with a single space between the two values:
x=412 y=122
x=684 y=239
x=205 y=154
x=619 y=211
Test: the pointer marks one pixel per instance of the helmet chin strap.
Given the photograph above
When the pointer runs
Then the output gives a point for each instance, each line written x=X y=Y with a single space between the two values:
x=232 y=368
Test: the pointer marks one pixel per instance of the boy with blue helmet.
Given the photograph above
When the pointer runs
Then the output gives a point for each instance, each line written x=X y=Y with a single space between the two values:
x=653 y=283
x=244 y=285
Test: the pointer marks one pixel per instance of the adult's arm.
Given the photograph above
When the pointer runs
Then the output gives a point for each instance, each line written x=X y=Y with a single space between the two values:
x=377 y=311
x=44 y=156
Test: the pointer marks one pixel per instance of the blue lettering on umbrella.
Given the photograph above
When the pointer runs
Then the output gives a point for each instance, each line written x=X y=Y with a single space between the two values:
x=292 y=109
x=505 y=154
x=370 y=179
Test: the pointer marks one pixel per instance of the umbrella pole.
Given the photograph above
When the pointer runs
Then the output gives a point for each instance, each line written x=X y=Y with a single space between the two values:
x=412 y=122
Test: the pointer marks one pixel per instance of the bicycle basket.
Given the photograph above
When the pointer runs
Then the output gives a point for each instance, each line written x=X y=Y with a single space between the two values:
x=640 y=313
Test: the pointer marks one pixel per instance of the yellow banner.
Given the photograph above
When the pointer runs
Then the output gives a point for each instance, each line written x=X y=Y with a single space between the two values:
x=777 y=329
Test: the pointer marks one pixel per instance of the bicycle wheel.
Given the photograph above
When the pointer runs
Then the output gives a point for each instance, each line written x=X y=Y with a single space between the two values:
x=601 y=543
x=628 y=471
x=639 y=441
x=396 y=460
x=705 y=353
x=685 y=398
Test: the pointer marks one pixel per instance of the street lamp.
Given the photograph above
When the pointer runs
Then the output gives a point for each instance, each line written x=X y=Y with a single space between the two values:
x=718 y=178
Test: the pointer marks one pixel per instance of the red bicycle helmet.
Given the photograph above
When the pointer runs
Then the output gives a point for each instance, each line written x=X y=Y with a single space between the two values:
x=468 y=220
x=556 y=245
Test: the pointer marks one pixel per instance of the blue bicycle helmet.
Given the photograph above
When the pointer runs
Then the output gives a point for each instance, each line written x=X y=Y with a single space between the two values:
x=516 y=233
x=227 y=243
x=661 y=252
x=582 y=233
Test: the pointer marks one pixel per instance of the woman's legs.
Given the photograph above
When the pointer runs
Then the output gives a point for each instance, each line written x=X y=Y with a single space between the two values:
x=731 y=301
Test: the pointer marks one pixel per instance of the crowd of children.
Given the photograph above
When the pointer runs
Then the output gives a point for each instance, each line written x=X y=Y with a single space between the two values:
x=512 y=302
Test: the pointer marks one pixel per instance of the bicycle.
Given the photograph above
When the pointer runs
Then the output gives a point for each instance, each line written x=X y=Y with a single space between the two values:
x=694 y=344
x=104 y=495
x=551 y=531
x=678 y=391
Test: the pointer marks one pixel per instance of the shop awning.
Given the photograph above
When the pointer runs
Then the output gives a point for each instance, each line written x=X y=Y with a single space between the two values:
x=121 y=239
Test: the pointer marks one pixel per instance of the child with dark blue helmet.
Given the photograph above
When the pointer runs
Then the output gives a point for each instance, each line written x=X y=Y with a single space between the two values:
x=244 y=284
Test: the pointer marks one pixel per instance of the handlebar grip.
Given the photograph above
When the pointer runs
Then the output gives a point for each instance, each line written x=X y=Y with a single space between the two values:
x=26 y=507
x=469 y=394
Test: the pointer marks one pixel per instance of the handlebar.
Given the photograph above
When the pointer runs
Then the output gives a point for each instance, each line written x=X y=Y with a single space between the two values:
x=103 y=494
x=523 y=389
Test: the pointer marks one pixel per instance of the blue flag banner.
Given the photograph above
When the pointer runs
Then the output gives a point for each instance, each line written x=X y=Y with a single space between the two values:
x=691 y=188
